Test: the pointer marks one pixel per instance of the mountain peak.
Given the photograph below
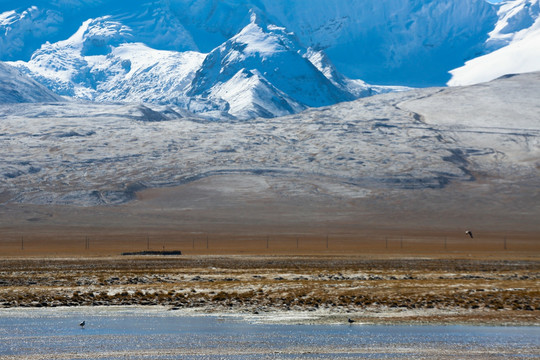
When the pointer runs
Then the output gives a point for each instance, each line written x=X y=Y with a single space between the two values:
x=264 y=39
x=254 y=18
x=102 y=34
x=276 y=58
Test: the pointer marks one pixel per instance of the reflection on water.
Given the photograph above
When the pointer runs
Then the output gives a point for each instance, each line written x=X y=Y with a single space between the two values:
x=136 y=333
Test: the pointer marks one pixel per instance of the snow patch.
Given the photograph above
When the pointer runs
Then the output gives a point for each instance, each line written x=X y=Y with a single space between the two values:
x=514 y=44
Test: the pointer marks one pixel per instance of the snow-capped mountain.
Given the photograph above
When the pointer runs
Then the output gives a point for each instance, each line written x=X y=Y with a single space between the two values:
x=262 y=71
x=17 y=88
x=514 y=42
x=256 y=57
x=99 y=63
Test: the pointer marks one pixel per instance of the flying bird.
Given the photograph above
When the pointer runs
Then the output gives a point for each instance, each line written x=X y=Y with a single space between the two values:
x=468 y=232
x=82 y=324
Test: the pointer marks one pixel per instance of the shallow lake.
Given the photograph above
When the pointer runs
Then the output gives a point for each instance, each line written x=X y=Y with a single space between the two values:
x=157 y=333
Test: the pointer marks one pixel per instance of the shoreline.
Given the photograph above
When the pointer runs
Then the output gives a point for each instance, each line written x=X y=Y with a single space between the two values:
x=319 y=289
x=368 y=317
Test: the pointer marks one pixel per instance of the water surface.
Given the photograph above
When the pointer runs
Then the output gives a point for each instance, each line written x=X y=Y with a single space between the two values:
x=156 y=333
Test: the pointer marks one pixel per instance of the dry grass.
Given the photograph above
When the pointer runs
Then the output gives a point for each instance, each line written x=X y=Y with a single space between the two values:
x=413 y=289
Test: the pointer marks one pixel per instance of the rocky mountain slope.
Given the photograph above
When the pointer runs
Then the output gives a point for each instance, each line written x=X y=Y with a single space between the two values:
x=89 y=154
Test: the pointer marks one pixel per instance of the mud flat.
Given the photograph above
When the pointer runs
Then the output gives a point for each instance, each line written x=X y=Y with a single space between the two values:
x=304 y=288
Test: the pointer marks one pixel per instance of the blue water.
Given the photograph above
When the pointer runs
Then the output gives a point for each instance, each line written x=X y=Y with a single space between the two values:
x=137 y=333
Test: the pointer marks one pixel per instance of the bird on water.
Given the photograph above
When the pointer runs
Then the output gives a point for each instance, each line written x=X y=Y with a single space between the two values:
x=82 y=324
